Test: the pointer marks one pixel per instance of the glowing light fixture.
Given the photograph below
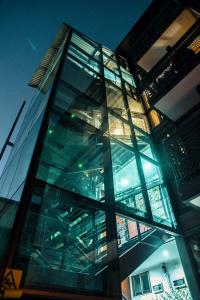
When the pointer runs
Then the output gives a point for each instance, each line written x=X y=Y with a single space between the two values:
x=50 y=131
x=165 y=253
x=73 y=115
x=80 y=165
x=118 y=131
x=124 y=182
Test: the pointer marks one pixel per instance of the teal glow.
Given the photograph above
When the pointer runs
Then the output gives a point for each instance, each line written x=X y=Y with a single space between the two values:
x=148 y=166
x=50 y=131
x=124 y=182
x=73 y=115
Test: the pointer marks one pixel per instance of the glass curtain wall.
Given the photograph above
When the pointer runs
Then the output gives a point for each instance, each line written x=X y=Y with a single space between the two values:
x=68 y=242
x=95 y=161
x=15 y=172
x=138 y=184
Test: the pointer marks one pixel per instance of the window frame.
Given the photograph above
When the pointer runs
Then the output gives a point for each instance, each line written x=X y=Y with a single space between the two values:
x=141 y=284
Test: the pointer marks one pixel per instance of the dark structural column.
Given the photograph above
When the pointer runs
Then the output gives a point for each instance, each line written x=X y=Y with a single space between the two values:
x=188 y=264
x=113 y=274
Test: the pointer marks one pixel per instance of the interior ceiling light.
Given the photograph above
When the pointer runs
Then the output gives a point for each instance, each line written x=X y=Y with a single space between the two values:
x=165 y=253
x=124 y=182
x=118 y=131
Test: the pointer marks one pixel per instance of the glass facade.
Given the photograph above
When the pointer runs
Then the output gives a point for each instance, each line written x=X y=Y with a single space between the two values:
x=94 y=168
x=14 y=175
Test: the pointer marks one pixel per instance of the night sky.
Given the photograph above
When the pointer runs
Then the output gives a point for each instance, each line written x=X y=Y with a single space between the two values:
x=28 y=27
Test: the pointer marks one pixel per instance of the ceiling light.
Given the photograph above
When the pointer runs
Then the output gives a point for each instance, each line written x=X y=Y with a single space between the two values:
x=118 y=131
x=165 y=253
x=124 y=182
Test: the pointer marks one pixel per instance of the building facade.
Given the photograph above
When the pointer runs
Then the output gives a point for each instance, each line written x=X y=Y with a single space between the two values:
x=165 y=58
x=85 y=199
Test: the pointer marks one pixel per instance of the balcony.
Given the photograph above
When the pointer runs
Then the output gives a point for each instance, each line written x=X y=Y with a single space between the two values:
x=174 y=79
x=183 y=151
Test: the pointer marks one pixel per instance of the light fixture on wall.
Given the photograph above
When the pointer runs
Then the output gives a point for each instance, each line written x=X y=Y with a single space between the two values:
x=165 y=253
x=124 y=182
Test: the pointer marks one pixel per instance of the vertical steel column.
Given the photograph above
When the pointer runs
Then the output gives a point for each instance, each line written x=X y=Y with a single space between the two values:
x=113 y=275
x=189 y=267
x=7 y=142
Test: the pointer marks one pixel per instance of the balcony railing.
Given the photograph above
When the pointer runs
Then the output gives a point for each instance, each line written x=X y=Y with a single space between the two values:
x=183 y=148
x=178 y=61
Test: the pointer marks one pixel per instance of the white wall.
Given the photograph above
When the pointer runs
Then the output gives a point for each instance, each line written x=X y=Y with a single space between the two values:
x=157 y=276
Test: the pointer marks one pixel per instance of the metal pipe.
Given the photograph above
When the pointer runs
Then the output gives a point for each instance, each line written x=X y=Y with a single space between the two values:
x=7 y=142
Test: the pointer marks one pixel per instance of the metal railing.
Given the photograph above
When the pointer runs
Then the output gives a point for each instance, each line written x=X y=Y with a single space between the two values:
x=183 y=150
x=178 y=61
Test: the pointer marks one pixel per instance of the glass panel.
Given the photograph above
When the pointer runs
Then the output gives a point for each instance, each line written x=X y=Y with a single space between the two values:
x=135 y=106
x=137 y=289
x=15 y=172
x=23 y=159
x=121 y=231
x=111 y=64
x=158 y=196
x=115 y=99
x=88 y=46
x=126 y=75
x=63 y=243
x=72 y=158
x=123 y=63
x=119 y=130
x=8 y=211
x=130 y=90
x=82 y=79
x=109 y=53
x=140 y=121
x=151 y=172
x=79 y=105
x=127 y=230
x=84 y=58
x=112 y=77
x=144 y=144
x=127 y=186
x=132 y=228
x=144 y=228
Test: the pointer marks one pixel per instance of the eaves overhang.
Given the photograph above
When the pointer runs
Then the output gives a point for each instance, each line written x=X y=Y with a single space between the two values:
x=49 y=58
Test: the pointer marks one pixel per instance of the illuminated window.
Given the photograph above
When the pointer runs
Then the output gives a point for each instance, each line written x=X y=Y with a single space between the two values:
x=154 y=118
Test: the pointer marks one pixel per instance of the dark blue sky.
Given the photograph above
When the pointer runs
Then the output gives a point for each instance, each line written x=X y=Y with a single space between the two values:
x=27 y=28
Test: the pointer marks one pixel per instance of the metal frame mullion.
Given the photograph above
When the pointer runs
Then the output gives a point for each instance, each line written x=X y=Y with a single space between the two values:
x=85 y=53
x=137 y=153
x=84 y=65
x=111 y=226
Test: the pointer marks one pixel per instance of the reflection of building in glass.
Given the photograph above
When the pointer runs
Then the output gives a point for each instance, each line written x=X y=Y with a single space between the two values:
x=83 y=196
